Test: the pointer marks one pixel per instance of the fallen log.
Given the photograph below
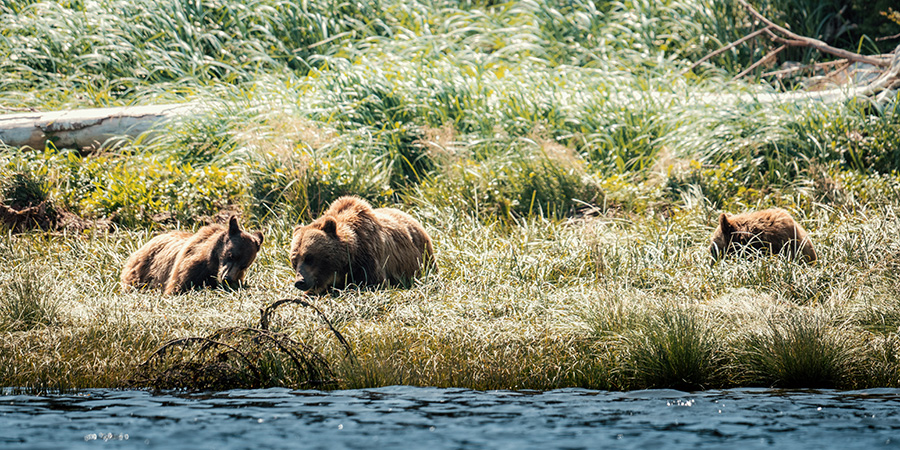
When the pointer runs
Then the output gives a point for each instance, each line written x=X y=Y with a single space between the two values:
x=85 y=129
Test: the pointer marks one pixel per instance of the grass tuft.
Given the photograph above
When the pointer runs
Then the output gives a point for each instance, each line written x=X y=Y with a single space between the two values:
x=799 y=350
x=28 y=300
x=673 y=348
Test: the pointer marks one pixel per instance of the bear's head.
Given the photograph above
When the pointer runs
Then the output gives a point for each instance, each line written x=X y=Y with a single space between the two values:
x=721 y=240
x=237 y=252
x=319 y=255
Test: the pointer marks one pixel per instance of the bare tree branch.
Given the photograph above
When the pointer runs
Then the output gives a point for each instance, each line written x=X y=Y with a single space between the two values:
x=762 y=61
x=795 y=40
x=726 y=48
x=836 y=62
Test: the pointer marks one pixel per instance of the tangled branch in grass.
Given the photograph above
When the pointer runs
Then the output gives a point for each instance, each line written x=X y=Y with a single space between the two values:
x=239 y=357
x=887 y=66
x=267 y=311
x=784 y=36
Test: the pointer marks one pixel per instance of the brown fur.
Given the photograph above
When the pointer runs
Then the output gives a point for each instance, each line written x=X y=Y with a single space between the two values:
x=354 y=244
x=772 y=230
x=177 y=261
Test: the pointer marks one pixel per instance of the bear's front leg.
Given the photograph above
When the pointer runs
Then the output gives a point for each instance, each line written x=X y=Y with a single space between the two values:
x=188 y=275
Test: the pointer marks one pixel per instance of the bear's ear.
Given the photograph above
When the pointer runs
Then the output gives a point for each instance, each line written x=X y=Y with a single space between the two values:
x=727 y=227
x=258 y=238
x=329 y=226
x=233 y=226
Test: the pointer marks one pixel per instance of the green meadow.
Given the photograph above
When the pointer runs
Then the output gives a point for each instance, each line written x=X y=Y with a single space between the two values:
x=567 y=167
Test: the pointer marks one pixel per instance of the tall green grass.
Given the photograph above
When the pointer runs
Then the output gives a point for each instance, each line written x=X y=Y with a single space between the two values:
x=29 y=300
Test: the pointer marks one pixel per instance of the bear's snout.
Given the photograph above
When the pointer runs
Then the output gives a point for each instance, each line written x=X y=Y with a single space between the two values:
x=231 y=274
x=302 y=283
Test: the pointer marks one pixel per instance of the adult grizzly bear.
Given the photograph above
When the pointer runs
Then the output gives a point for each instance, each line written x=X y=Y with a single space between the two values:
x=771 y=230
x=178 y=261
x=354 y=244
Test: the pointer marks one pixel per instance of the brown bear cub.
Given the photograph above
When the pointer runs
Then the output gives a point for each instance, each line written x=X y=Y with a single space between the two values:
x=178 y=261
x=354 y=244
x=771 y=230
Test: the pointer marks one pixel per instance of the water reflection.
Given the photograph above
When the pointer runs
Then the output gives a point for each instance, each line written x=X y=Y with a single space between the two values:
x=453 y=418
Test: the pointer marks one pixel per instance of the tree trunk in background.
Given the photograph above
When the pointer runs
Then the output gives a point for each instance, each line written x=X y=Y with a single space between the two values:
x=84 y=129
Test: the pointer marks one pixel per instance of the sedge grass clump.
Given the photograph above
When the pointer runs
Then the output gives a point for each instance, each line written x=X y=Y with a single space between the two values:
x=28 y=300
x=765 y=146
x=522 y=182
x=673 y=348
x=23 y=190
x=302 y=185
x=200 y=138
x=99 y=352
x=780 y=275
x=384 y=113
x=798 y=349
x=25 y=203
x=874 y=309
x=622 y=137
x=881 y=364
x=109 y=50
x=865 y=142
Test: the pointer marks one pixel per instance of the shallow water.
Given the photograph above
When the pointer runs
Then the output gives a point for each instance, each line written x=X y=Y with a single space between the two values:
x=403 y=416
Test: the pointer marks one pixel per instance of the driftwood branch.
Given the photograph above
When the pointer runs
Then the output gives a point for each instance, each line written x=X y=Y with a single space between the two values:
x=887 y=65
x=762 y=61
x=265 y=314
x=726 y=48
x=887 y=38
x=822 y=65
x=795 y=40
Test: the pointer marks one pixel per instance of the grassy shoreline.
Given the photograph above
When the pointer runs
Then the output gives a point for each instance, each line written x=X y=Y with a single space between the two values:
x=567 y=172
x=597 y=303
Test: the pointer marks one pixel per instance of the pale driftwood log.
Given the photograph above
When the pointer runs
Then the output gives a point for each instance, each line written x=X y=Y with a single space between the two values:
x=84 y=129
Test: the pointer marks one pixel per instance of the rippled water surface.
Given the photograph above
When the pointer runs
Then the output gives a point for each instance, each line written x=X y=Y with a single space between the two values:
x=435 y=418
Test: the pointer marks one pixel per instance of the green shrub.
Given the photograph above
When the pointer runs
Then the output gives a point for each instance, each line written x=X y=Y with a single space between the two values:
x=720 y=184
x=133 y=191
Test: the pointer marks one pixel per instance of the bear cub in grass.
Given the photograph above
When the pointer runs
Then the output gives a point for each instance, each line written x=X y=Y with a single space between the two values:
x=771 y=230
x=352 y=243
x=178 y=260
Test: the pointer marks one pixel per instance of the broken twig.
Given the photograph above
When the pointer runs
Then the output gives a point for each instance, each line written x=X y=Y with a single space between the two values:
x=762 y=61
